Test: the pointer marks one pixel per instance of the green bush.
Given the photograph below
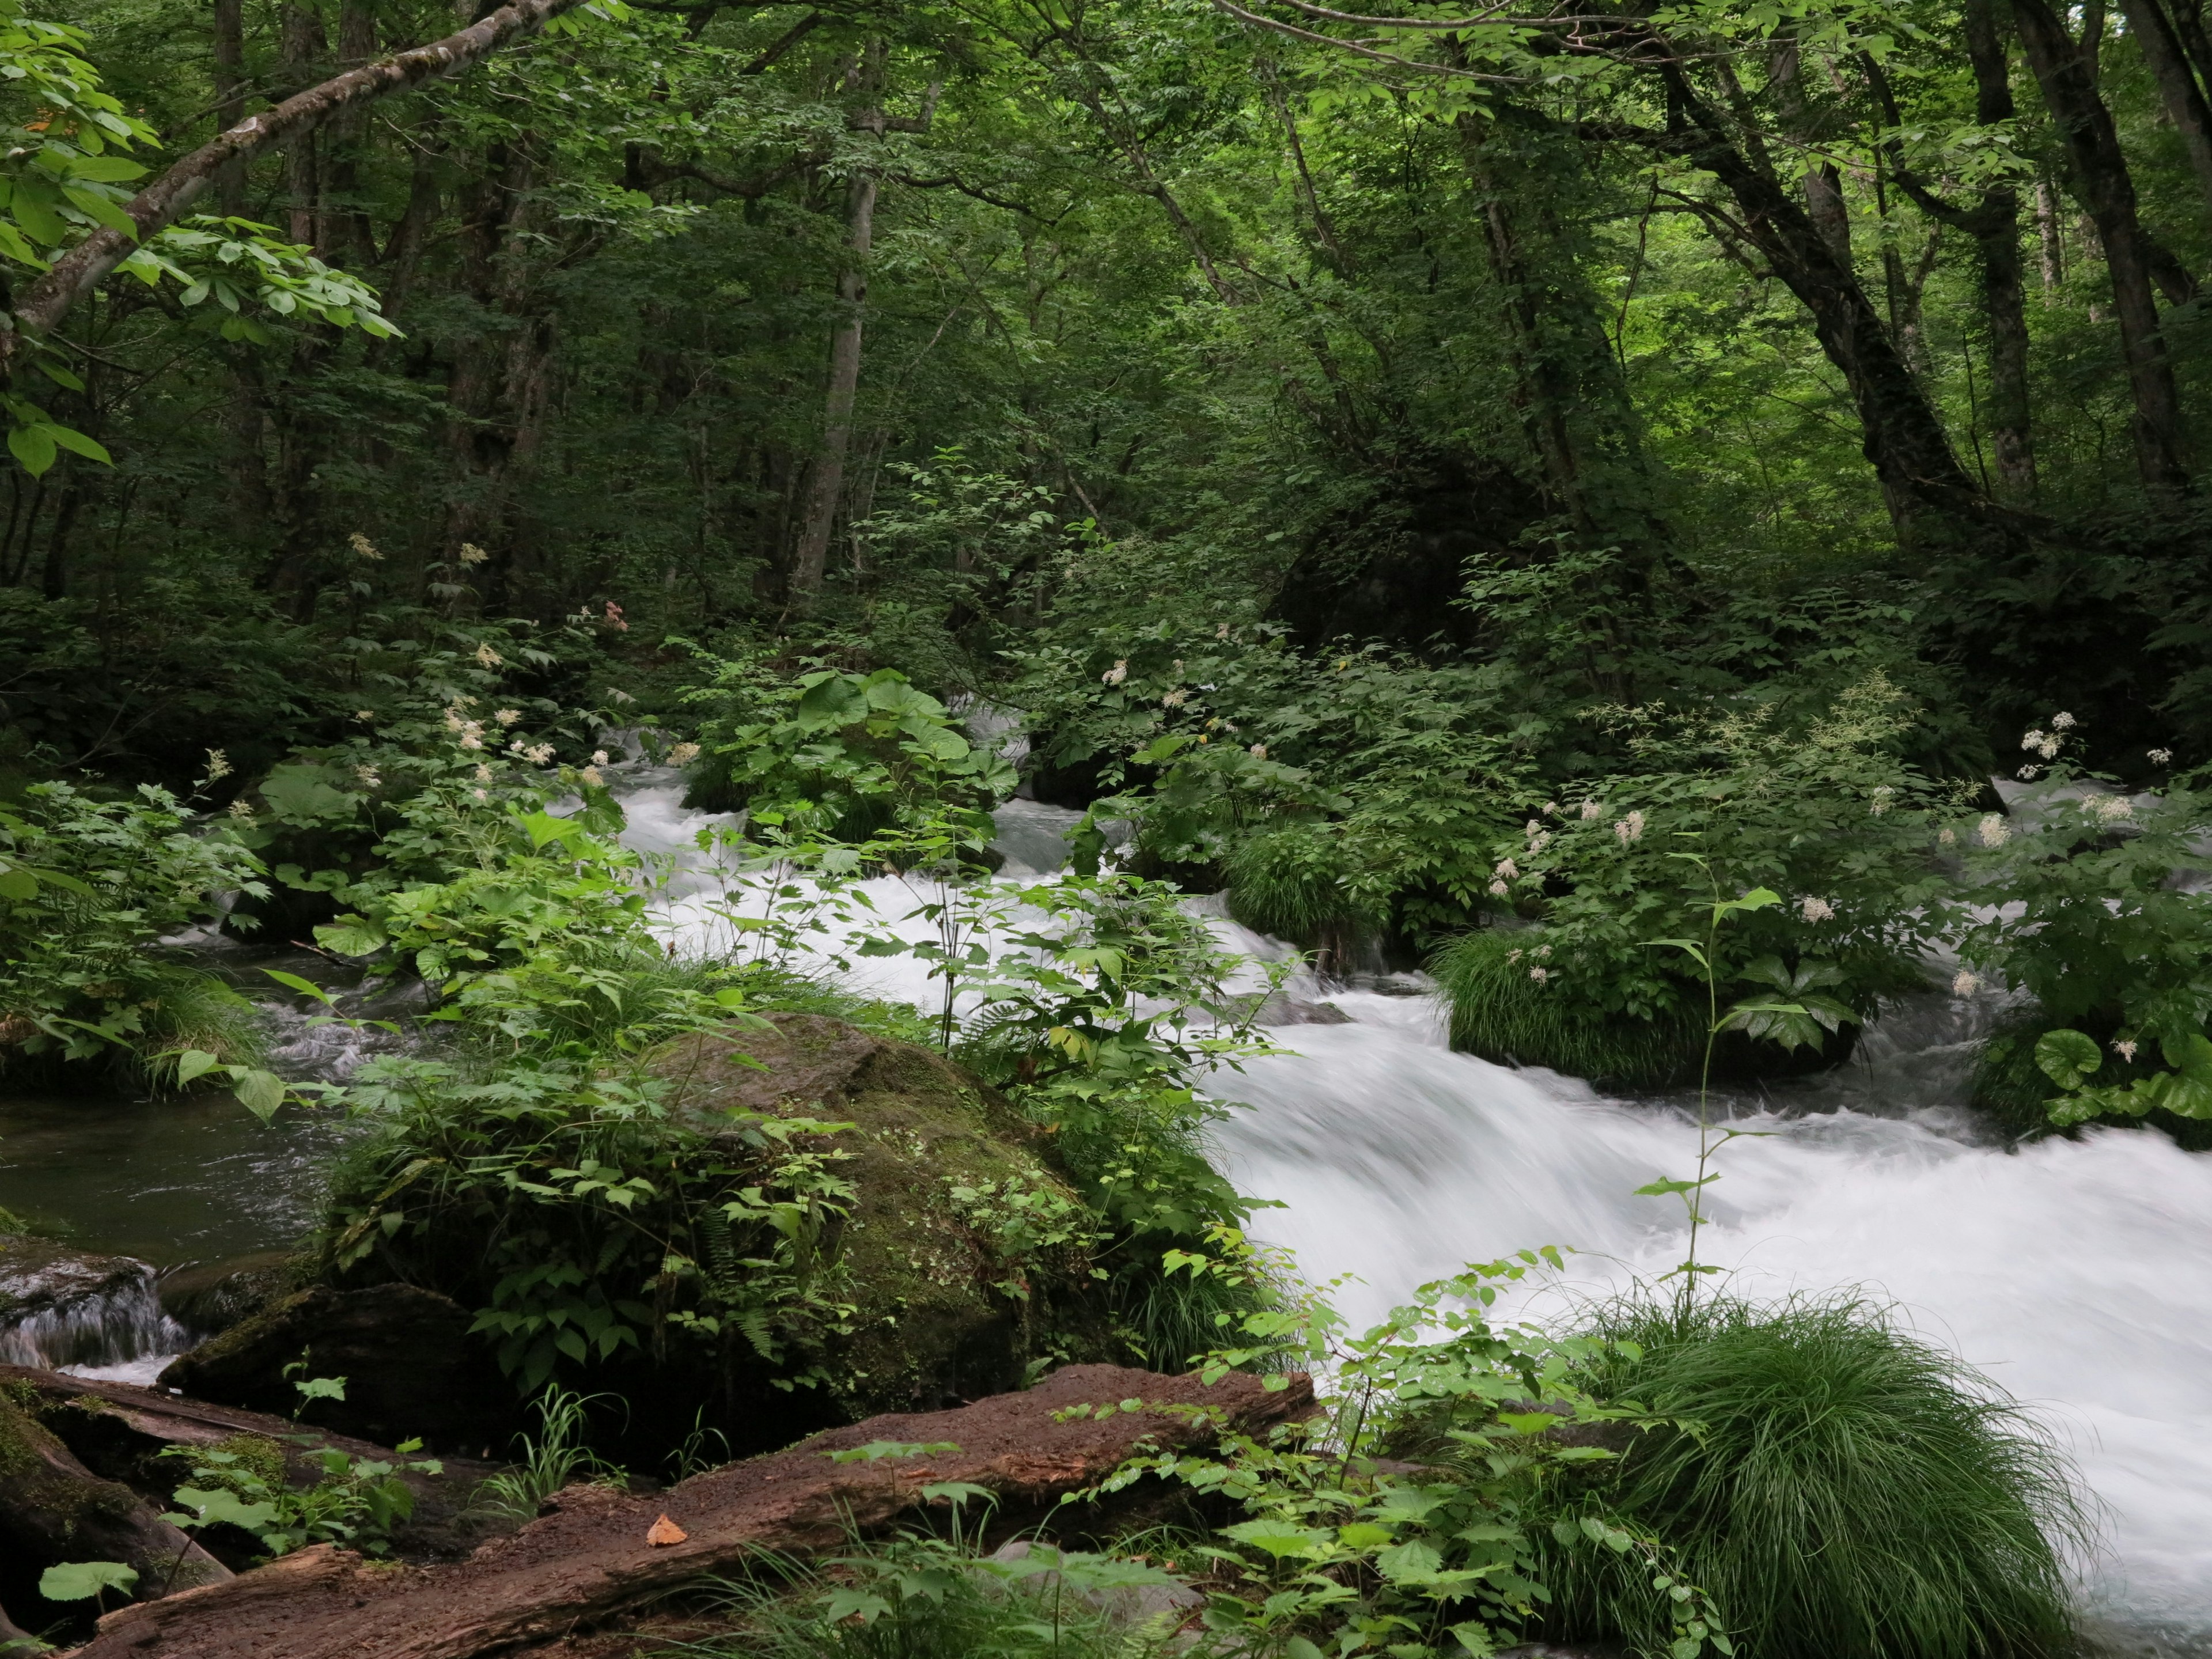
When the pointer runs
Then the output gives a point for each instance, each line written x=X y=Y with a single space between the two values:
x=1295 y=883
x=2010 y=1089
x=1849 y=1492
x=1499 y=1012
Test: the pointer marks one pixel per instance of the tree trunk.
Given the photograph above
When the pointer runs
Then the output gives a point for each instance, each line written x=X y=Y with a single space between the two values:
x=1902 y=436
x=302 y=45
x=811 y=562
x=230 y=97
x=54 y=1509
x=2107 y=189
x=2160 y=41
x=1997 y=239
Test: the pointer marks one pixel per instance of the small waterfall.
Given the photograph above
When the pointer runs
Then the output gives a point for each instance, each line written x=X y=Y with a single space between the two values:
x=99 y=1316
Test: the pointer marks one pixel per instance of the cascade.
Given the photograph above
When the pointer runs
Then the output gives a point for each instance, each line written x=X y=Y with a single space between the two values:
x=2075 y=1273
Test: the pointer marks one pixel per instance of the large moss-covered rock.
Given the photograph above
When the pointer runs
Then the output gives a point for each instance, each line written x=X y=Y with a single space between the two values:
x=963 y=1256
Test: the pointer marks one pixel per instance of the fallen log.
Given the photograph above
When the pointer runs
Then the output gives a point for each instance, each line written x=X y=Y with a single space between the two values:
x=587 y=1560
x=53 y=1510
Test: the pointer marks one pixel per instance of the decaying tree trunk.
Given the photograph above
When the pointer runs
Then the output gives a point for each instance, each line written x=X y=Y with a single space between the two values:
x=589 y=1558
x=53 y=1510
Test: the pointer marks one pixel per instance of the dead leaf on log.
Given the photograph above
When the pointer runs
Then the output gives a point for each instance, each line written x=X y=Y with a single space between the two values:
x=665 y=1531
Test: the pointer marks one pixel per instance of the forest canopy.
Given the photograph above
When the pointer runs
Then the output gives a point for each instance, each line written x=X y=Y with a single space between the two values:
x=1696 y=337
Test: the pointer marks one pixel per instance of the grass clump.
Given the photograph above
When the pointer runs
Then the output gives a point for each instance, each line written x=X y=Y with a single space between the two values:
x=1499 y=1012
x=1294 y=883
x=1851 y=1492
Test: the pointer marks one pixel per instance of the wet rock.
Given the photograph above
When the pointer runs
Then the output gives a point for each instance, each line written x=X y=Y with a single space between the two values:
x=1283 y=1009
x=208 y=1297
x=404 y=1352
x=941 y=1313
x=64 y=1307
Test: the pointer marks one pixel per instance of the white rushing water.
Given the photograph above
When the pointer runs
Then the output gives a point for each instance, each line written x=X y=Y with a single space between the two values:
x=2076 y=1274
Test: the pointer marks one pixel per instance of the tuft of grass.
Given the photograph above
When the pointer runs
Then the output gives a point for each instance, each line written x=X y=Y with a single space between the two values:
x=1850 y=1493
x=1499 y=1013
x=556 y=1457
x=1293 y=883
x=178 y=1007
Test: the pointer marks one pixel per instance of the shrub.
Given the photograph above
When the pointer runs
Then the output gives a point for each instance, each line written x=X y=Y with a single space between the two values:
x=1295 y=883
x=1849 y=1492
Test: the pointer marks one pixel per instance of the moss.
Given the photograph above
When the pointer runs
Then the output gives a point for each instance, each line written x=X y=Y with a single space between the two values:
x=947 y=1301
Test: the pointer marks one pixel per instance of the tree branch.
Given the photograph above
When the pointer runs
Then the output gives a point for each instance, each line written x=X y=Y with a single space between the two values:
x=45 y=302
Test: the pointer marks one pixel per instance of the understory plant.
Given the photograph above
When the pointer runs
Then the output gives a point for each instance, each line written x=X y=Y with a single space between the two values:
x=1823 y=814
x=90 y=888
x=2094 y=912
x=1414 y=1515
x=1844 y=1489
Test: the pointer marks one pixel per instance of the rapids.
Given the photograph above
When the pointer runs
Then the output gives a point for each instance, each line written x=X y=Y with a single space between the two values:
x=2076 y=1274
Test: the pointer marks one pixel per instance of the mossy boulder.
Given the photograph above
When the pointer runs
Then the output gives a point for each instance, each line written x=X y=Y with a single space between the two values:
x=962 y=1257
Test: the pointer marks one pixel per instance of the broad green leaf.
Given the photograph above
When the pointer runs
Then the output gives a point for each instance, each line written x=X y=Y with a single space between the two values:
x=351 y=936
x=194 y=1063
x=1280 y=1539
x=304 y=987
x=74 y=1581
x=90 y=448
x=33 y=446
x=221 y=1506
x=2068 y=1058
x=260 y=1092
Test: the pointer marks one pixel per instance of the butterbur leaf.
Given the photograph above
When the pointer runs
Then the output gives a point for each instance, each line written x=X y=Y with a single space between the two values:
x=2068 y=1058
x=74 y=1581
x=664 y=1532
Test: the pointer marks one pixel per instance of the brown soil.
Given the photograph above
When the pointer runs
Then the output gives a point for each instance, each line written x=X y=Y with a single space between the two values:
x=586 y=1561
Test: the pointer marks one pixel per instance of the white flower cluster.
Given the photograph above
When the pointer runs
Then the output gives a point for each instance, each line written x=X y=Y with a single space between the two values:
x=363 y=546
x=468 y=732
x=2160 y=756
x=1815 y=909
x=471 y=554
x=507 y=716
x=488 y=658
x=1117 y=673
x=2125 y=1050
x=1174 y=699
x=218 y=765
x=1993 y=830
x=1630 y=828
x=1881 y=799
x=684 y=754
x=1590 y=809
x=1963 y=984
x=1259 y=751
x=367 y=777
x=2108 y=809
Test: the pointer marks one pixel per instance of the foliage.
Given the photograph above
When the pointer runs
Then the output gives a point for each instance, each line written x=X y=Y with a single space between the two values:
x=1341 y=1548
x=90 y=889
x=564 y=1202
x=1499 y=1012
x=923 y=1598
x=356 y=1504
x=1841 y=1487
x=2092 y=917
x=859 y=754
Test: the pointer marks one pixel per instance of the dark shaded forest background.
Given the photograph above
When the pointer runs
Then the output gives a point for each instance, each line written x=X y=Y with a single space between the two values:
x=1705 y=342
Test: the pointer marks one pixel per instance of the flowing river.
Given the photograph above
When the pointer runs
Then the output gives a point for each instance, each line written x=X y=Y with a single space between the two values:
x=2076 y=1273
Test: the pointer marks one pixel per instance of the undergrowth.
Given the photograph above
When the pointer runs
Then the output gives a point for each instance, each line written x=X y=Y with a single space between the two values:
x=1849 y=1492
x=1502 y=1011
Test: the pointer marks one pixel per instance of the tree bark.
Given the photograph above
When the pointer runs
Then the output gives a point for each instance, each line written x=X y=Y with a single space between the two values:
x=54 y=1509
x=811 y=562
x=230 y=97
x=302 y=47
x=1997 y=239
x=2159 y=37
x=41 y=305
x=2107 y=189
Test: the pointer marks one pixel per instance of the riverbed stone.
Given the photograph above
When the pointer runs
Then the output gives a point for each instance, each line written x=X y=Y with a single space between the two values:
x=409 y=1367
x=950 y=1300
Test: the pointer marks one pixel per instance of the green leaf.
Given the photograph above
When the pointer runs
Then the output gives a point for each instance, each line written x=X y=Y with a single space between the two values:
x=543 y=829
x=1280 y=1539
x=304 y=987
x=103 y=211
x=221 y=1506
x=74 y=1581
x=91 y=448
x=2068 y=1058
x=351 y=936
x=33 y=446
x=194 y=1063
x=260 y=1092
